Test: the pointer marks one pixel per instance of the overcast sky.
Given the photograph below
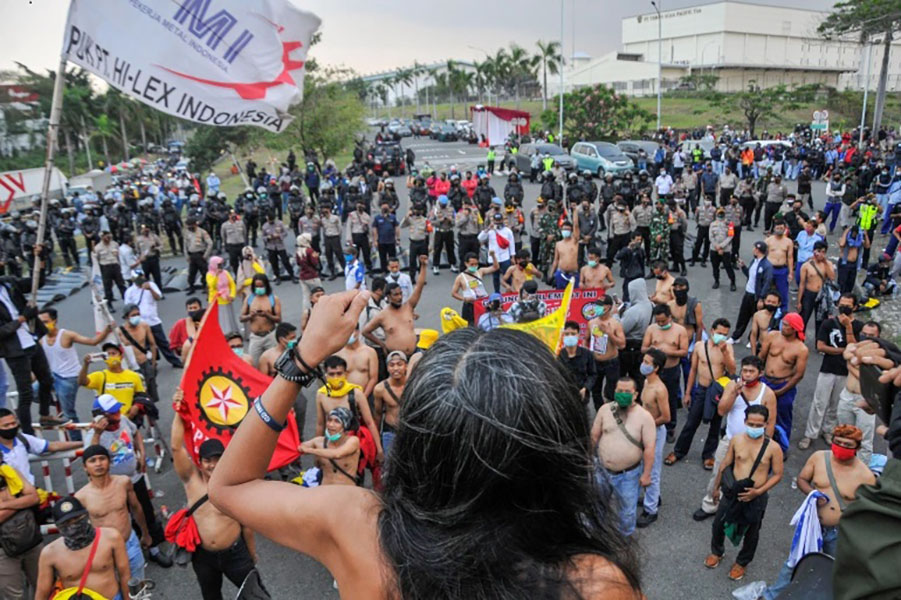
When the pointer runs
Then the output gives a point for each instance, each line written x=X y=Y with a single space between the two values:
x=375 y=36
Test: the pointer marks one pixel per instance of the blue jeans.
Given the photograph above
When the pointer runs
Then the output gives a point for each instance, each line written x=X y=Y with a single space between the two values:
x=496 y=276
x=830 y=541
x=561 y=279
x=780 y=280
x=387 y=441
x=833 y=208
x=135 y=556
x=4 y=384
x=652 y=492
x=626 y=487
x=66 y=389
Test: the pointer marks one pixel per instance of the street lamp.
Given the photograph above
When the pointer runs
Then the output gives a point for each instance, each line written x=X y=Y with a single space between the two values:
x=659 y=60
x=560 y=124
x=868 y=48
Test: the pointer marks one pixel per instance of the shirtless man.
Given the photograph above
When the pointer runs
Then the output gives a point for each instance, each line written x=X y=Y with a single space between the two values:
x=285 y=337
x=386 y=398
x=627 y=459
x=362 y=363
x=263 y=311
x=337 y=391
x=766 y=319
x=810 y=282
x=66 y=557
x=221 y=537
x=565 y=265
x=747 y=390
x=469 y=285
x=780 y=252
x=111 y=502
x=751 y=455
x=672 y=339
x=337 y=452
x=521 y=271
x=396 y=319
x=850 y=401
x=595 y=274
x=606 y=339
x=663 y=290
x=687 y=311
x=710 y=360
x=849 y=472
x=655 y=400
x=785 y=356
x=136 y=334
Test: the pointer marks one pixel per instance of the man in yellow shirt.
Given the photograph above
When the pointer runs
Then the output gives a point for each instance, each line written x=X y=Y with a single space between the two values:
x=115 y=380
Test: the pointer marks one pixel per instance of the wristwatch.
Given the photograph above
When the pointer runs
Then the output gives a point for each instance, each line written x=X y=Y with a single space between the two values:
x=287 y=368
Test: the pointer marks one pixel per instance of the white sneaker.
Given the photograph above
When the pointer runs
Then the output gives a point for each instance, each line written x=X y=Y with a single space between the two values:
x=435 y=271
x=804 y=443
x=748 y=345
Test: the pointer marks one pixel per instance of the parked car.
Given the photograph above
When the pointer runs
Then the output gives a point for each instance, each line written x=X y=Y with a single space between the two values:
x=526 y=151
x=766 y=143
x=601 y=158
x=388 y=157
x=630 y=148
x=446 y=133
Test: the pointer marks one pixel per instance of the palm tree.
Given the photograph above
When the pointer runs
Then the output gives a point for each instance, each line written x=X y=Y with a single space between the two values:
x=103 y=129
x=405 y=77
x=390 y=83
x=381 y=90
x=551 y=60
x=481 y=76
x=522 y=67
x=500 y=72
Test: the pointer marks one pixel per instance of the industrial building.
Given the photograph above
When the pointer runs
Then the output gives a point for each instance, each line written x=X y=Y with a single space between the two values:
x=736 y=41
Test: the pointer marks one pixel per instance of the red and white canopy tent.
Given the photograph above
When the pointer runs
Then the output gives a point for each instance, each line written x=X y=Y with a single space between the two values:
x=497 y=123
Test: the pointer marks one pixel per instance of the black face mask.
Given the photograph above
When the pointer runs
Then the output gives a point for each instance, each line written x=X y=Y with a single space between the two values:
x=660 y=277
x=681 y=297
x=9 y=434
x=770 y=307
x=494 y=306
x=196 y=315
x=845 y=310
x=77 y=535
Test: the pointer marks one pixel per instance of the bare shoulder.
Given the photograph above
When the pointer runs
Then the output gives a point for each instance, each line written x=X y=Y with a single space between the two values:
x=595 y=577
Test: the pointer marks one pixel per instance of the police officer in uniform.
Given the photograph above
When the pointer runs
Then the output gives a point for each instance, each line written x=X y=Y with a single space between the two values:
x=172 y=224
x=295 y=208
x=65 y=233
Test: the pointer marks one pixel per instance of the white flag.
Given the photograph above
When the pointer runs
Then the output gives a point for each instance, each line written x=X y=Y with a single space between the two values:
x=217 y=62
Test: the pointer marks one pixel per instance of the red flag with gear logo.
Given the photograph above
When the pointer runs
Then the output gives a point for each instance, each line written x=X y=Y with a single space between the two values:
x=219 y=389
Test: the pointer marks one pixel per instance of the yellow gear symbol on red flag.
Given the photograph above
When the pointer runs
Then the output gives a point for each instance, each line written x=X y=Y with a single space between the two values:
x=222 y=400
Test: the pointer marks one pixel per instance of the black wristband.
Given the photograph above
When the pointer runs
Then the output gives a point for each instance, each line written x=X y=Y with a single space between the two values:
x=265 y=416
x=303 y=363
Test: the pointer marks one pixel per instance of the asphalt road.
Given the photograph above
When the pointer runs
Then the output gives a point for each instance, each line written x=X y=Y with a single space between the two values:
x=672 y=549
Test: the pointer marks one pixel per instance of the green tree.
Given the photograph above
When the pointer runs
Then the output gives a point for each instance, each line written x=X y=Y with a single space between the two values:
x=551 y=61
x=757 y=103
x=867 y=19
x=598 y=113
x=209 y=143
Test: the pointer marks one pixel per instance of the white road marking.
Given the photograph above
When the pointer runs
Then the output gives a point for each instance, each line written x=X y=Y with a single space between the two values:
x=461 y=152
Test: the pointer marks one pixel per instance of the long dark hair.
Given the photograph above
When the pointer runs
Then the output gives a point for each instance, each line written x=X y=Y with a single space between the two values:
x=491 y=488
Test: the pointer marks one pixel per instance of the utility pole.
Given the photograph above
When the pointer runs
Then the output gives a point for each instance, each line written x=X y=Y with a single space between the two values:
x=659 y=60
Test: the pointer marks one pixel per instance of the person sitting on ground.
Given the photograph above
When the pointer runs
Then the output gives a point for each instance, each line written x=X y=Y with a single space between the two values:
x=489 y=412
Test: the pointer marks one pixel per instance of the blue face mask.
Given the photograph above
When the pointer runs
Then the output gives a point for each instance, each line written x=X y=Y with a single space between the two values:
x=718 y=338
x=238 y=351
x=754 y=432
x=348 y=258
x=332 y=437
x=570 y=340
x=665 y=327
x=351 y=340
x=259 y=291
x=566 y=233
x=592 y=263
x=645 y=369
x=290 y=345
x=134 y=321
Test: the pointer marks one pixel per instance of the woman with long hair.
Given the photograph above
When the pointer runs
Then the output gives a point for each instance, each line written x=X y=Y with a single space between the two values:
x=491 y=489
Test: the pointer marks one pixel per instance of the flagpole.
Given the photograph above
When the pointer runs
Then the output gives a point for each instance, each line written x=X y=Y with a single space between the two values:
x=56 y=109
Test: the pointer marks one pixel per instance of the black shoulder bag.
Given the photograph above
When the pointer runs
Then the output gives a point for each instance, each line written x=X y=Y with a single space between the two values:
x=732 y=488
x=21 y=532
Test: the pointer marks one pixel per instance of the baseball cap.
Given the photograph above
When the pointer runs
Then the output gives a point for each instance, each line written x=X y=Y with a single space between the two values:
x=107 y=403
x=495 y=296
x=795 y=321
x=498 y=217
x=68 y=508
x=210 y=448
x=396 y=354
x=760 y=245
x=427 y=337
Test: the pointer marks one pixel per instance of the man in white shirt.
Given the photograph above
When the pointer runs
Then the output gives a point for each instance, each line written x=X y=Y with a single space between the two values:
x=15 y=446
x=354 y=271
x=394 y=275
x=664 y=184
x=144 y=294
x=500 y=240
x=127 y=259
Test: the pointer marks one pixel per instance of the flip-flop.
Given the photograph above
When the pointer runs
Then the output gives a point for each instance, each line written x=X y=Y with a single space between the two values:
x=671 y=459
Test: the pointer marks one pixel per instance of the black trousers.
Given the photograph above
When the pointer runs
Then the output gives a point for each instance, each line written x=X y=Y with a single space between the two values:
x=157 y=536
x=361 y=241
x=33 y=360
x=468 y=243
x=274 y=257
x=333 y=251
x=747 y=208
x=175 y=240
x=196 y=266
x=607 y=371
x=808 y=307
x=671 y=377
x=702 y=244
x=250 y=230
x=745 y=312
x=645 y=239
x=159 y=336
x=387 y=251
x=736 y=242
x=752 y=535
x=616 y=243
x=234 y=562
x=847 y=276
x=68 y=248
x=725 y=260
x=111 y=274
x=417 y=248
x=234 y=256
x=444 y=240
x=693 y=421
x=757 y=208
x=771 y=209
x=677 y=249
x=534 y=248
x=151 y=268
